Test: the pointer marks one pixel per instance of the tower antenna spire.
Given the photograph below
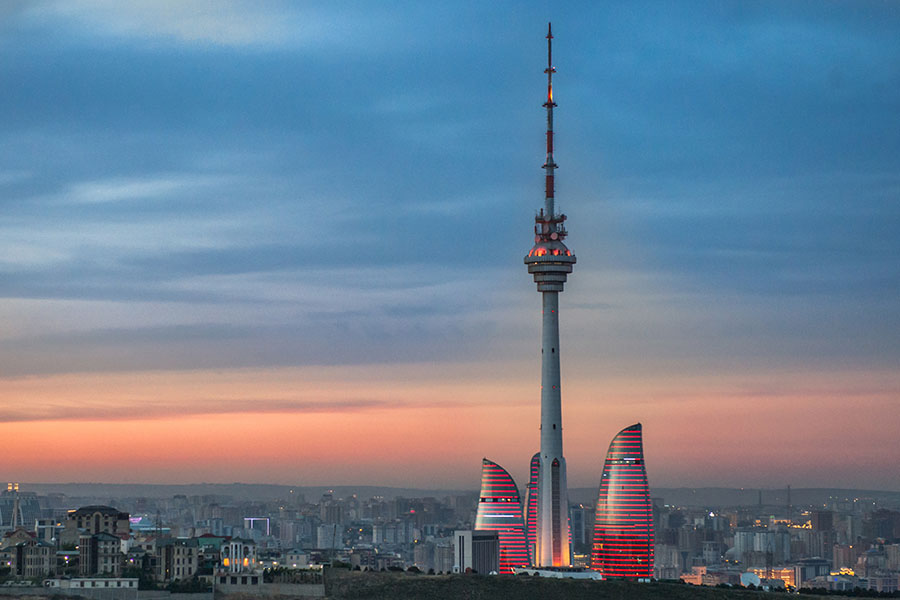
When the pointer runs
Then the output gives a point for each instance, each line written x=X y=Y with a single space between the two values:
x=549 y=165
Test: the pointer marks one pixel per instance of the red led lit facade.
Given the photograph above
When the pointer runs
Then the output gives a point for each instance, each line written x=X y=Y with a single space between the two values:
x=500 y=510
x=623 y=526
x=531 y=506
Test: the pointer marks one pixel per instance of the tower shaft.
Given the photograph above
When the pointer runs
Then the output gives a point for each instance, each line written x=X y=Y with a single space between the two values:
x=553 y=499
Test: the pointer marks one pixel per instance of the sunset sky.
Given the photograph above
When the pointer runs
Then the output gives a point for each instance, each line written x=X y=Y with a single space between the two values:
x=282 y=242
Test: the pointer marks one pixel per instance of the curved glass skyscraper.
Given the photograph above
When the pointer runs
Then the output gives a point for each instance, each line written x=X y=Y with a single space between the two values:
x=623 y=526
x=500 y=510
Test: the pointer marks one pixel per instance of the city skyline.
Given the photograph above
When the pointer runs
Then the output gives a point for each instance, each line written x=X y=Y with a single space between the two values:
x=267 y=224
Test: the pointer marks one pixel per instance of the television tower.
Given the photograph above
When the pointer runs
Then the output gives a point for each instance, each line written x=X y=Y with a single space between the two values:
x=549 y=261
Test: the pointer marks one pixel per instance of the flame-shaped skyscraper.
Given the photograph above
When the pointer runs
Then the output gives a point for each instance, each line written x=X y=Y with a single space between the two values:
x=500 y=510
x=623 y=524
x=550 y=262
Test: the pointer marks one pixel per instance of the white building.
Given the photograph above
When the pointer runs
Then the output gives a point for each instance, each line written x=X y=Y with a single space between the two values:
x=239 y=556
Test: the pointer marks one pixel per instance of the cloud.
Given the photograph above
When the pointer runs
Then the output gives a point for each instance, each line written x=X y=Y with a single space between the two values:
x=235 y=23
x=163 y=394
x=150 y=410
x=314 y=315
x=103 y=227
x=147 y=188
x=102 y=245
x=22 y=255
x=8 y=177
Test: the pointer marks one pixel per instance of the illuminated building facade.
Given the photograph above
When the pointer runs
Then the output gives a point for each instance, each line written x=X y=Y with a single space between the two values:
x=549 y=261
x=623 y=526
x=531 y=504
x=785 y=574
x=500 y=510
x=239 y=556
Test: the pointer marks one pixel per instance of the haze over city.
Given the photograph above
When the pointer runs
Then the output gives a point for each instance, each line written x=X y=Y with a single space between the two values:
x=282 y=243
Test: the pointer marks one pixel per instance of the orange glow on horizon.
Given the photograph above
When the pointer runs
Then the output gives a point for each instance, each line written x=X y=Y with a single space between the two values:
x=430 y=426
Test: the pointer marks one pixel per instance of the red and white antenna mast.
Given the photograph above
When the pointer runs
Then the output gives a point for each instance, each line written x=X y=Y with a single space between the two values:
x=549 y=165
x=548 y=224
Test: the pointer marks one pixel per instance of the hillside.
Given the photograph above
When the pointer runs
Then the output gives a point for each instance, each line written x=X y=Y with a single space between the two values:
x=402 y=586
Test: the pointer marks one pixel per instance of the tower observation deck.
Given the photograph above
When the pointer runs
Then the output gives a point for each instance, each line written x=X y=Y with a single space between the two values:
x=549 y=261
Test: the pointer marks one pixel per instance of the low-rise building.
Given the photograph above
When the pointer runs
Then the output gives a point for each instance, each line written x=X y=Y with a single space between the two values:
x=808 y=569
x=102 y=587
x=883 y=582
x=296 y=559
x=100 y=554
x=786 y=574
x=443 y=557
x=238 y=556
x=476 y=551
x=92 y=520
x=176 y=558
x=29 y=559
